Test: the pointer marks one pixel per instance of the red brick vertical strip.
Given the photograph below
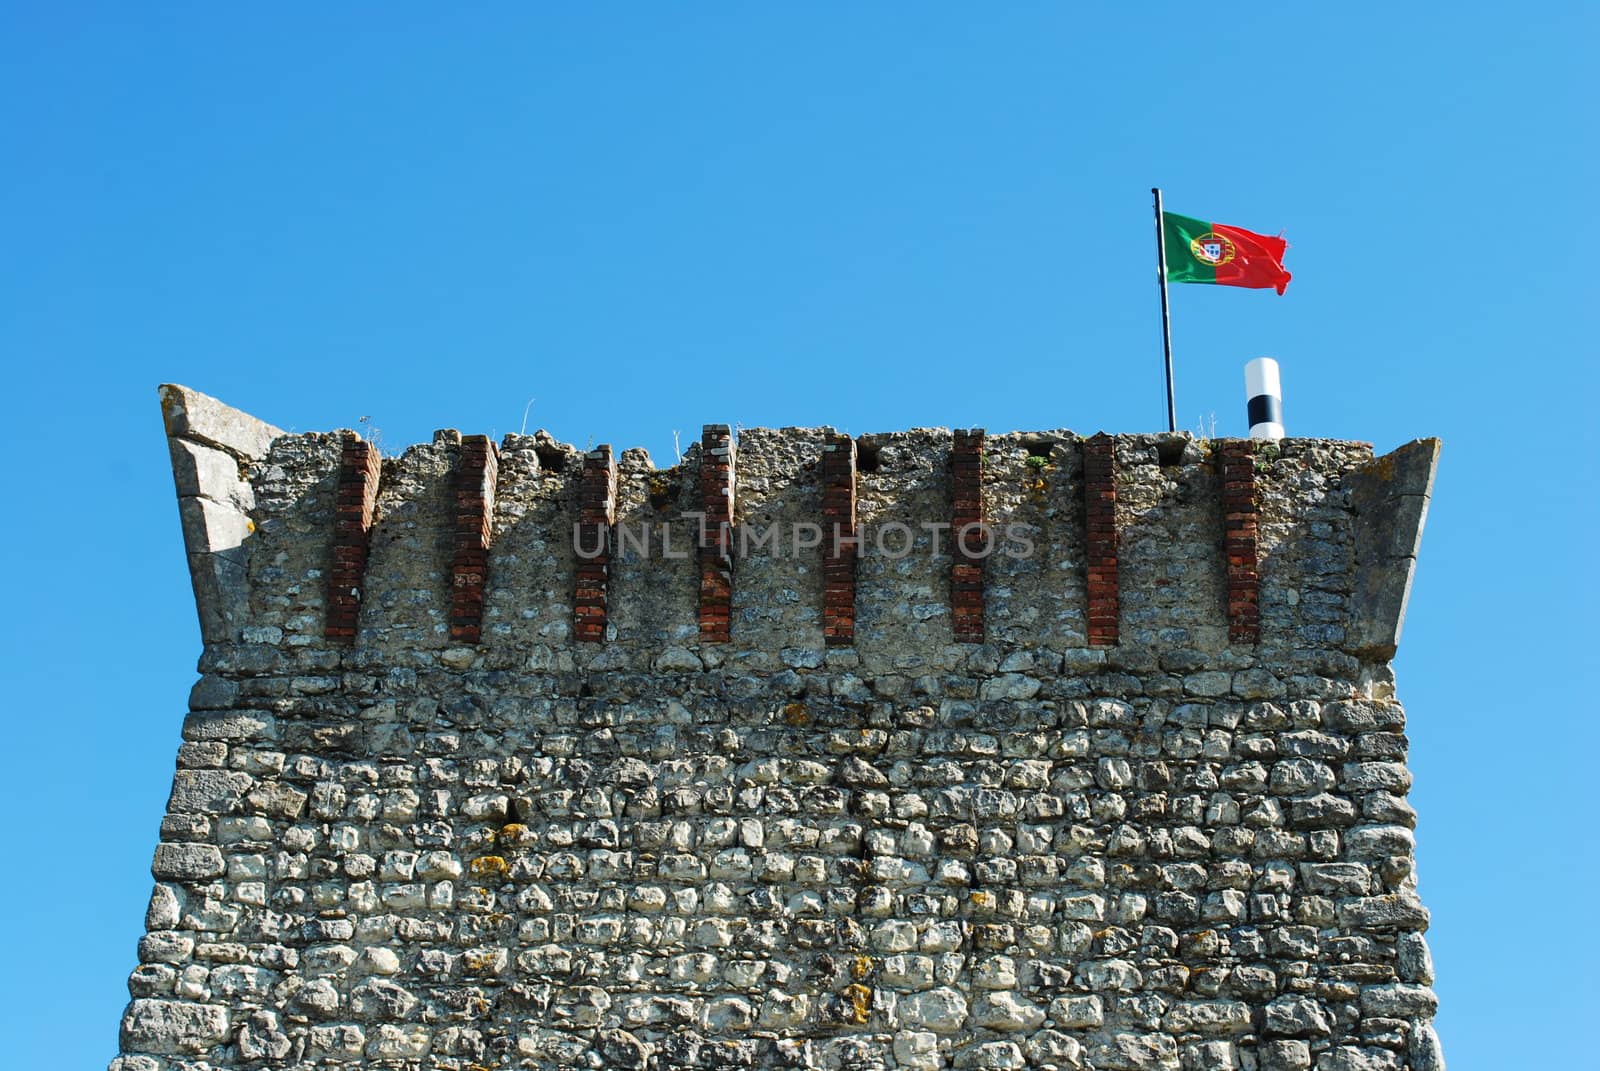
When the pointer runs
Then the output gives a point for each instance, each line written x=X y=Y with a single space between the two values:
x=355 y=497
x=477 y=469
x=840 y=542
x=597 y=512
x=971 y=541
x=716 y=533
x=1100 y=516
x=1239 y=540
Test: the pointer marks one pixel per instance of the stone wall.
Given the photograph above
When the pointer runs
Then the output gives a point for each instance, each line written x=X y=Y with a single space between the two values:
x=454 y=793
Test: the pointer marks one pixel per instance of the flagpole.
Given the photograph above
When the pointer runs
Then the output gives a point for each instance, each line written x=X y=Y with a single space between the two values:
x=1166 y=316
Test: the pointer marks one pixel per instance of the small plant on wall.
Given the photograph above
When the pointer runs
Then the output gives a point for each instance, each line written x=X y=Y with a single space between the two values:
x=1035 y=466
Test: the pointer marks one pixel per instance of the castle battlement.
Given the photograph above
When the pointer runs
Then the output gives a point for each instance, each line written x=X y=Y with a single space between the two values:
x=798 y=537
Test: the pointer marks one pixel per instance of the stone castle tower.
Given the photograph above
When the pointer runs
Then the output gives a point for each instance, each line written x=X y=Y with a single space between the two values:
x=909 y=751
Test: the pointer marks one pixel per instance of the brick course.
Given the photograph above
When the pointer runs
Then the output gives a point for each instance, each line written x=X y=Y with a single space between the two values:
x=477 y=469
x=597 y=513
x=716 y=533
x=840 y=549
x=966 y=519
x=355 y=495
x=1100 y=522
x=1240 y=529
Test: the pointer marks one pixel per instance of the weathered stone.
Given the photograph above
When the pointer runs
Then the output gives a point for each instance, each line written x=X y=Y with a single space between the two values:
x=233 y=725
x=166 y=907
x=942 y=1010
x=1135 y=1052
x=1210 y=1056
x=196 y=417
x=262 y=1038
x=1424 y=1049
x=212 y=692
x=1379 y=842
x=175 y=1027
x=678 y=660
x=1283 y=1056
x=187 y=862
x=1072 y=1013
x=1389 y=500
x=1398 y=1001
x=1010 y=686
x=857 y=773
x=207 y=791
x=1001 y=1010
x=993 y=1055
x=1052 y=1048
x=1352 y=1058
x=1336 y=879
x=622 y=1050
x=1395 y=912
x=1216 y=1018
x=1299 y=1017
x=1415 y=961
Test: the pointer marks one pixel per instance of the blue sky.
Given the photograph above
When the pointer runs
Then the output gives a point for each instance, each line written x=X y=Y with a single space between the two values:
x=650 y=217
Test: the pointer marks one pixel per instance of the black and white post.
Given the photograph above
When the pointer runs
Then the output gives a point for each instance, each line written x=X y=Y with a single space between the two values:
x=1264 y=392
x=1166 y=318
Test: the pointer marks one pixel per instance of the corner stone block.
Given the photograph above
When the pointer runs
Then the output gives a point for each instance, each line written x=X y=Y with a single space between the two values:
x=209 y=444
x=198 y=417
x=210 y=527
x=1389 y=497
x=200 y=471
x=218 y=565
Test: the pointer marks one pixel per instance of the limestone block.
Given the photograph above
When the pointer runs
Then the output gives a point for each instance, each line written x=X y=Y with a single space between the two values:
x=191 y=415
x=173 y=1027
x=187 y=862
x=201 y=471
x=1389 y=498
x=942 y=1010
x=1135 y=1052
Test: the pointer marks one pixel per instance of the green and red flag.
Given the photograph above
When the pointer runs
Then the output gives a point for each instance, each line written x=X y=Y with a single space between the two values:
x=1201 y=252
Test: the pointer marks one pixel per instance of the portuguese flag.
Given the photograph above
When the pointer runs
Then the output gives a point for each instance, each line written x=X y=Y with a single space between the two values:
x=1201 y=252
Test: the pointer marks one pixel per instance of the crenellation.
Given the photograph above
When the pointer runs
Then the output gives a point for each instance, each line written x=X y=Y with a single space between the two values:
x=1038 y=598
x=1172 y=560
x=296 y=488
x=656 y=575
x=528 y=594
x=1111 y=835
x=902 y=595
x=777 y=599
x=408 y=579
